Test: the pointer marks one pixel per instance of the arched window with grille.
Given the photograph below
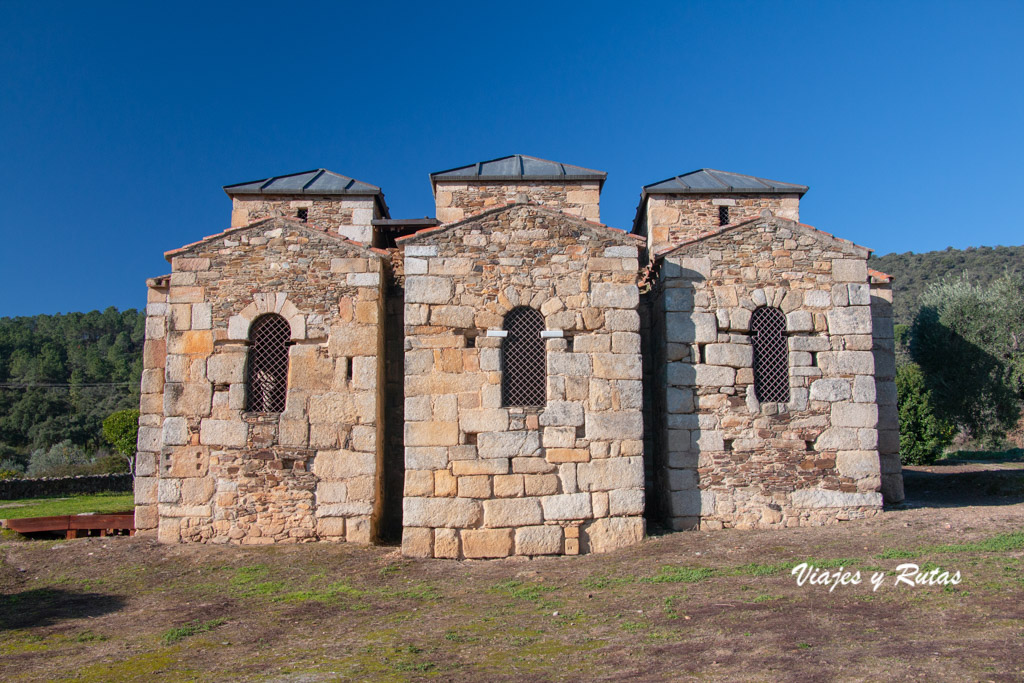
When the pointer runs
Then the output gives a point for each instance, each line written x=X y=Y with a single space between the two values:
x=267 y=372
x=523 y=359
x=771 y=355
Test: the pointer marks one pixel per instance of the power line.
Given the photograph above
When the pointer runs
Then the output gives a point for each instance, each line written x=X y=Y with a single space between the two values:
x=89 y=385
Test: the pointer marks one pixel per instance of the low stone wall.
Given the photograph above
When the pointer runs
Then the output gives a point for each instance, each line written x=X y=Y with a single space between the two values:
x=13 y=489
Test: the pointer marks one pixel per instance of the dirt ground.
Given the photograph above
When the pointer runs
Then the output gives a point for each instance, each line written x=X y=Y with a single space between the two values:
x=711 y=605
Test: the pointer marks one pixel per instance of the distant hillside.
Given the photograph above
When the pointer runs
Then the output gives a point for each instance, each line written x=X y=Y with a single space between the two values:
x=914 y=272
x=61 y=375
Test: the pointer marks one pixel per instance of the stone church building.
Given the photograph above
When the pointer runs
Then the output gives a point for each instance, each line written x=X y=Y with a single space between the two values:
x=513 y=377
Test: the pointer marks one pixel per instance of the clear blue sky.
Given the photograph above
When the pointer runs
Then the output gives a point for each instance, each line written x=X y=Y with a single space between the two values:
x=119 y=123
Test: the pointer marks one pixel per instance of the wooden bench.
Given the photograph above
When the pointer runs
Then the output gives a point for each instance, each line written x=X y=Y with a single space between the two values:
x=75 y=526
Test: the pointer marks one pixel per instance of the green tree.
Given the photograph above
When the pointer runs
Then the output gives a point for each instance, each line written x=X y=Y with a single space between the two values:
x=967 y=340
x=121 y=430
x=923 y=434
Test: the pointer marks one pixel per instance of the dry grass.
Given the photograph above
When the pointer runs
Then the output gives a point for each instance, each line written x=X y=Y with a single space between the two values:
x=719 y=605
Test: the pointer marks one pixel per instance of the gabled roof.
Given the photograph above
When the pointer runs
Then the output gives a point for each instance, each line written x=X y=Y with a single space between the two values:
x=317 y=181
x=821 y=235
x=520 y=167
x=272 y=223
x=710 y=181
x=627 y=238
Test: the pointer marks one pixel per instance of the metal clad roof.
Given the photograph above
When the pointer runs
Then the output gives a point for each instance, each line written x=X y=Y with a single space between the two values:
x=318 y=181
x=520 y=166
x=707 y=180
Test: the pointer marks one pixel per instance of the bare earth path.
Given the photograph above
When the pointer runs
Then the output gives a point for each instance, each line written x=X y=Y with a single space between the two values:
x=709 y=605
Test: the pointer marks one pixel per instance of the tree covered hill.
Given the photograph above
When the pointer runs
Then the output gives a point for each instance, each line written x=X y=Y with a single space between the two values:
x=914 y=272
x=61 y=375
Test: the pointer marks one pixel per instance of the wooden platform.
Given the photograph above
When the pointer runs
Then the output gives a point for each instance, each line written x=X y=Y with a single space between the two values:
x=76 y=526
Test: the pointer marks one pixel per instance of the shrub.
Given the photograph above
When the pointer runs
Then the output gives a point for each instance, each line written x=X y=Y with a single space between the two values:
x=105 y=462
x=967 y=340
x=61 y=459
x=11 y=469
x=923 y=434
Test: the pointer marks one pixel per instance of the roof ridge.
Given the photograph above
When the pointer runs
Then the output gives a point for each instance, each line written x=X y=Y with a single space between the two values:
x=314 y=178
x=320 y=181
x=766 y=184
x=559 y=168
x=771 y=217
x=551 y=210
x=268 y=220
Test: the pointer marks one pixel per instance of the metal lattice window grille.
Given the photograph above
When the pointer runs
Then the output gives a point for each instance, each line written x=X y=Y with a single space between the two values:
x=771 y=355
x=523 y=359
x=723 y=215
x=267 y=376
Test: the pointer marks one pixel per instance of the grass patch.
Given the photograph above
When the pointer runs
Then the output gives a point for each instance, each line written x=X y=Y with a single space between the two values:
x=599 y=582
x=392 y=568
x=999 y=543
x=1011 y=455
x=89 y=637
x=421 y=591
x=531 y=592
x=756 y=569
x=331 y=593
x=897 y=554
x=157 y=665
x=634 y=626
x=340 y=590
x=453 y=636
x=245 y=576
x=671 y=574
x=190 y=629
x=831 y=564
x=99 y=503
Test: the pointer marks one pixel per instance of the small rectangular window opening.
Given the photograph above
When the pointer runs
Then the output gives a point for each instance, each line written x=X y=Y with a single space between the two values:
x=302 y=214
x=723 y=215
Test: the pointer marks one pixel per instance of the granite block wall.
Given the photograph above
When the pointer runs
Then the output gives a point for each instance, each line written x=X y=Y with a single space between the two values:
x=457 y=201
x=670 y=220
x=483 y=479
x=728 y=460
x=349 y=216
x=212 y=470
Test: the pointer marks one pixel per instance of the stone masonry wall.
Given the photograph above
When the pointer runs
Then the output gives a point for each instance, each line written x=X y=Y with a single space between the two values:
x=151 y=406
x=348 y=216
x=884 y=350
x=457 y=201
x=484 y=480
x=227 y=475
x=727 y=460
x=671 y=220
